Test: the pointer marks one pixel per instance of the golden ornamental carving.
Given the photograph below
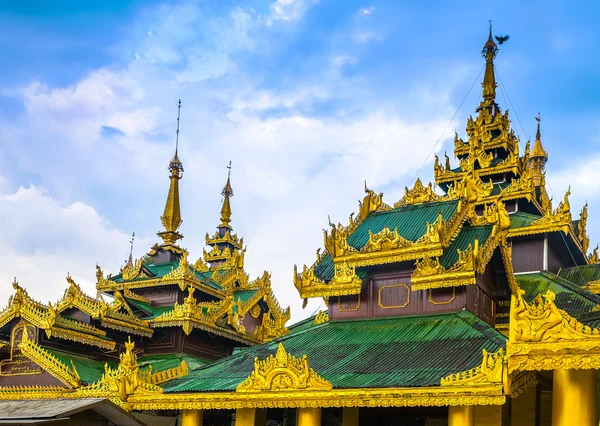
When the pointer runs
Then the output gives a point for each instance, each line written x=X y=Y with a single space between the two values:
x=336 y=242
x=345 y=275
x=283 y=372
x=66 y=374
x=594 y=257
x=385 y=240
x=471 y=188
x=321 y=317
x=123 y=381
x=226 y=238
x=131 y=270
x=200 y=265
x=493 y=214
x=430 y=274
x=543 y=337
x=582 y=229
x=418 y=194
x=490 y=371
x=524 y=184
x=372 y=202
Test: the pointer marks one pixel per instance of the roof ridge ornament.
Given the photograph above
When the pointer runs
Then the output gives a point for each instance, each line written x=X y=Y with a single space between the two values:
x=489 y=51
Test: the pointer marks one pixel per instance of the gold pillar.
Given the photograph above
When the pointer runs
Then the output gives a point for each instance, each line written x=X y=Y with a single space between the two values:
x=574 y=398
x=350 y=416
x=245 y=417
x=191 y=418
x=308 y=417
x=462 y=415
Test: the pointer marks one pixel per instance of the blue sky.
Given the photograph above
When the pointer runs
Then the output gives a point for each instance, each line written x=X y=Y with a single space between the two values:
x=307 y=98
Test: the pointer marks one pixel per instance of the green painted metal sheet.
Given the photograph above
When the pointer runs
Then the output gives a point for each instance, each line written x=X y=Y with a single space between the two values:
x=389 y=352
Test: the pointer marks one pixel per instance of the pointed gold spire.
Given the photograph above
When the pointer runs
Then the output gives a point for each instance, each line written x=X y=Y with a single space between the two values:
x=489 y=80
x=227 y=193
x=538 y=149
x=171 y=218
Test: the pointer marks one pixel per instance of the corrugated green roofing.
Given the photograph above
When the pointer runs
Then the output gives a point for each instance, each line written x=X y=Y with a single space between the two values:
x=159 y=271
x=411 y=221
x=569 y=297
x=143 y=306
x=581 y=275
x=243 y=295
x=305 y=324
x=157 y=311
x=165 y=361
x=388 y=352
x=522 y=219
x=467 y=235
x=89 y=370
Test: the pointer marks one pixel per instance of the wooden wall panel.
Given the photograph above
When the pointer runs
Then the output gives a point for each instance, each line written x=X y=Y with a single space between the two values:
x=201 y=344
x=391 y=295
x=356 y=306
x=162 y=296
x=528 y=254
x=443 y=299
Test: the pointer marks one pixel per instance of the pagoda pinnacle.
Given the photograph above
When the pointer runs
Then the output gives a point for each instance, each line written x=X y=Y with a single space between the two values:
x=227 y=193
x=489 y=80
x=538 y=149
x=171 y=218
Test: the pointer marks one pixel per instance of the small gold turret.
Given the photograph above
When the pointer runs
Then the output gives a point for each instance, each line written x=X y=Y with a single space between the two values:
x=227 y=193
x=538 y=157
x=171 y=218
x=489 y=80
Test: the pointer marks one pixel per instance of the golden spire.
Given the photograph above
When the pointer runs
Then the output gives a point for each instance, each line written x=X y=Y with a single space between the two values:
x=226 y=193
x=171 y=218
x=489 y=80
x=538 y=149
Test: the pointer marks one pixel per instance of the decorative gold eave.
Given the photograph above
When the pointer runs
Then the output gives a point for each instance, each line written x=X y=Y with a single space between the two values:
x=411 y=252
x=66 y=374
x=283 y=372
x=490 y=372
x=345 y=282
x=434 y=396
x=429 y=274
x=450 y=176
x=543 y=337
x=80 y=337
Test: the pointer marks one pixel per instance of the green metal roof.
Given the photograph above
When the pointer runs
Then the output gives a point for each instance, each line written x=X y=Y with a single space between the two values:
x=581 y=275
x=165 y=361
x=411 y=351
x=411 y=221
x=569 y=297
x=522 y=219
x=89 y=370
x=466 y=236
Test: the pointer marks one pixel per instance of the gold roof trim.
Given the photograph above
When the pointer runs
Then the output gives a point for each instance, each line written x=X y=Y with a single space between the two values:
x=490 y=372
x=283 y=372
x=543 y=337
x=66 y=374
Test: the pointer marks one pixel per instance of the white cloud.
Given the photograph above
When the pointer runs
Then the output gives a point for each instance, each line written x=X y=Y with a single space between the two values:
x=367 y=10
x=288 y=10
x=291 y=169
x=42 y=241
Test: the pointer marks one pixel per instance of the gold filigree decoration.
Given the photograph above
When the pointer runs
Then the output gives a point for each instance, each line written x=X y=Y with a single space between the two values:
x=344 y=282
x=283 y=372
x=489 y=372
x=66 y=374
x=543 y=337
x=418 y=194
x=471 y=188
x=430 y=274
x=131 y=270
x=371 y=203
x=594 y=257
x=582 y=229
x=321 y=317
x=385 y=240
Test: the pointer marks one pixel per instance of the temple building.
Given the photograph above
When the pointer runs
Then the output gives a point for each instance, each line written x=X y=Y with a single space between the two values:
x=472 y=302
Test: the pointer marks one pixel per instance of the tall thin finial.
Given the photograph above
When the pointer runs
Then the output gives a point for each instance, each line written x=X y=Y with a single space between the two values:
x=177 y=132
x=131 y=248
x=229 y=170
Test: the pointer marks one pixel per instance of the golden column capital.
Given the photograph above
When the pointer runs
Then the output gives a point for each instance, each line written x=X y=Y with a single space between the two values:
x=308 y=417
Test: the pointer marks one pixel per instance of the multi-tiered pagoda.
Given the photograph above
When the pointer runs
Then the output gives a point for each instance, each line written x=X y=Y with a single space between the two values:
x=473 y=304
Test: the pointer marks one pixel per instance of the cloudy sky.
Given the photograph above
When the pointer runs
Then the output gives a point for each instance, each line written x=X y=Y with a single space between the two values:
x=307 y=98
